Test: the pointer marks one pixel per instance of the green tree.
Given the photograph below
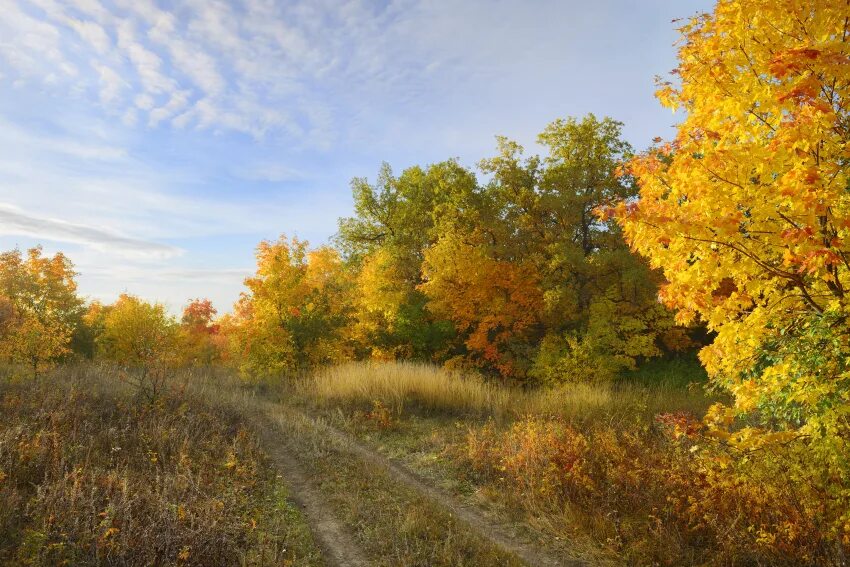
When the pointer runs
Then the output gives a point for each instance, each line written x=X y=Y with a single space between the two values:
x=395 y=222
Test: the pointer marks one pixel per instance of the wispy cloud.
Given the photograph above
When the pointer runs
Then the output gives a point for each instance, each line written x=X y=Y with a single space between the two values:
x=14 y=221
x=258 y=67
x=159 y=140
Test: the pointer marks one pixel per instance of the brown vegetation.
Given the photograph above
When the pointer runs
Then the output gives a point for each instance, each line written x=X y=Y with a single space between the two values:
x=91 y=475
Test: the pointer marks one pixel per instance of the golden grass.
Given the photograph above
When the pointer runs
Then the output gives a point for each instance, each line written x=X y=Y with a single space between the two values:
x=429 y=388
x=401 y=384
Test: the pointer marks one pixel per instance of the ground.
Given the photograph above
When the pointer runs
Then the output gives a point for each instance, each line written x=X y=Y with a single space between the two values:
x=327 y=481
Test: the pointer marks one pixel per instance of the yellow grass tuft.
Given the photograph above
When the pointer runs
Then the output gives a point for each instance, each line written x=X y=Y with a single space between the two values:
x=426 y=387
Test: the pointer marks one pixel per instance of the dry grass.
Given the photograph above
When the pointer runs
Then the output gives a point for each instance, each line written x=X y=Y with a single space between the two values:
x=403 y=386
x=394 y=524
x=653 y=500
x=89 y=475
x=622 y=470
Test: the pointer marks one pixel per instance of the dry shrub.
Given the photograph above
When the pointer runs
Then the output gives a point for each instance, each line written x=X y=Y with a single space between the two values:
x=86 y=479
x=665 y=495
x=380 y=416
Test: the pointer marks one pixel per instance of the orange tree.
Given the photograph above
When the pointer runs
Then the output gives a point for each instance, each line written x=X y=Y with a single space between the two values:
x=198 y=332
x=747 y=211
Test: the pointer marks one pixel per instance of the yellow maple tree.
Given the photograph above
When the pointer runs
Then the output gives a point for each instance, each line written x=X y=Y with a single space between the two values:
x=747 y=211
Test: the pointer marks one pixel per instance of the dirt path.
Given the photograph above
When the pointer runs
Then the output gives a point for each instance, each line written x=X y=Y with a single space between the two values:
x=338 y=547
x=489 y=529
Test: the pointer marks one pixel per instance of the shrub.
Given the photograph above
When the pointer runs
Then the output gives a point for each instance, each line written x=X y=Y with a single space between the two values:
x=668 y=492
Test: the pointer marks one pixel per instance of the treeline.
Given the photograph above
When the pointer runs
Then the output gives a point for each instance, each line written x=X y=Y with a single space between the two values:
x=507 y=270
x=43 y=321
x=511 y=273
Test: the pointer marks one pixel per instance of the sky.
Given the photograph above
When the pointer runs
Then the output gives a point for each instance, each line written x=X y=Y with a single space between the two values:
x=157 y=142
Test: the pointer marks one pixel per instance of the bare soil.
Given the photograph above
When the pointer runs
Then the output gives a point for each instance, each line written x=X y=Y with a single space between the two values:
x=338 y=547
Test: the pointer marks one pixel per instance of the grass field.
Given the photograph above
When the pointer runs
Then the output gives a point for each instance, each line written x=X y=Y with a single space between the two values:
x=428 y=390
x=598 y=469
x=372 y=464
x=91 y=476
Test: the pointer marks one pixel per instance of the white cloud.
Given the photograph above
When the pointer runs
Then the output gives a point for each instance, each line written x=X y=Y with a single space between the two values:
x=176 y=103
x=144 y=101
x=14 y=221
x=92 y=33
x=111 y=83
x=130 y=117
x=147 y=63
x=30 y=46
x=191 y=60
x=94 y=9
x=258 y=67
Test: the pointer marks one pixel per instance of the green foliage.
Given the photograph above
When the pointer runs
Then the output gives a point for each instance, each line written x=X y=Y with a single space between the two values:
x=395 y=221
x=497 y=275
x=682 y=370
x=571 y=359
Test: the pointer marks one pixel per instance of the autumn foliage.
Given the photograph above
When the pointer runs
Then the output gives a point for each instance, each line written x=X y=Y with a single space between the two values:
x=561 y=270
x=39 y=308
x=747 y=212
x=293 y=313
x=515 y=277
x=650 y=498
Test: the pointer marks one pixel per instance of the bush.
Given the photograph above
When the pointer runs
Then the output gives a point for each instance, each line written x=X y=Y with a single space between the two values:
x=668 y=494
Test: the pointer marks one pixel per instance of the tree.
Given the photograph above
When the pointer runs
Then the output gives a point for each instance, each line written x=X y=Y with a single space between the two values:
x=198 y=345
x=395 y=221
x=747 y=212
x=41 y=307
x=141 y=336
x=495 y=304
x=532 y=279
x=294 y=310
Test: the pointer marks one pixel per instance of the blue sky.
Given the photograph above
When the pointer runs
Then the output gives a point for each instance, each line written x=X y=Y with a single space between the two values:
x=156 y=142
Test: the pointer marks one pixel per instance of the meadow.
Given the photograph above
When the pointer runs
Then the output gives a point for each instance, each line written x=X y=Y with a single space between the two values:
x=215 y=470
x=90 y=474
x=608 y=471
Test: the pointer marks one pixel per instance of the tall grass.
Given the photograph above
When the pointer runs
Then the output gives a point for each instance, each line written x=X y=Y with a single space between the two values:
x=92 y=475
x=404 y=386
